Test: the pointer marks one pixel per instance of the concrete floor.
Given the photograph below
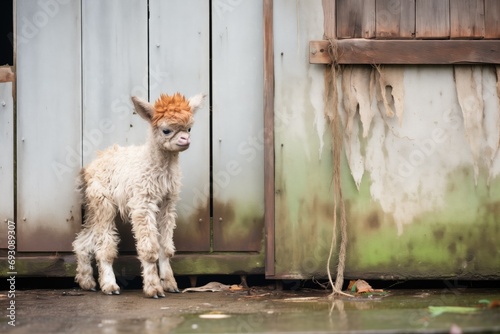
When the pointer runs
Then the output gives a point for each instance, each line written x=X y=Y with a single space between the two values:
x=256 y=310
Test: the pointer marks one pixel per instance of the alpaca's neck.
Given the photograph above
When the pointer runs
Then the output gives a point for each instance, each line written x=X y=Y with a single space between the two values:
x=159 y=156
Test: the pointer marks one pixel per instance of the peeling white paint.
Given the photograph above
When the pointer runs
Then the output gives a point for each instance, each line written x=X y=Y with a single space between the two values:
x=391 y=90
x=316 y=92
x=491 y=100
x=427 y=128
x=470 y=97
x=356 y=103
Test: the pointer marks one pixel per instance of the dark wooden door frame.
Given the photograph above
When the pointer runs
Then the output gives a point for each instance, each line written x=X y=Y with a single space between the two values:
x=269 y=220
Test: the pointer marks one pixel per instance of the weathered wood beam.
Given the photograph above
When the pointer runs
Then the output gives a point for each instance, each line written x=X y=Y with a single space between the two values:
x=362 y=51
x=269 y=191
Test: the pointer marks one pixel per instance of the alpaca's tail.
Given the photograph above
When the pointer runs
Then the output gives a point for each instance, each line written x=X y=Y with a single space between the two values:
x=81 y=183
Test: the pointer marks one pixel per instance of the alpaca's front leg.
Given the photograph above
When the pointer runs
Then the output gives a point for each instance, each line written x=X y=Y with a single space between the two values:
x=146 y=236
x=167 y=226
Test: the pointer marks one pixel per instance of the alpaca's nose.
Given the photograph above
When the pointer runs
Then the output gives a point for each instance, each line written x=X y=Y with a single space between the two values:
x=183 y=140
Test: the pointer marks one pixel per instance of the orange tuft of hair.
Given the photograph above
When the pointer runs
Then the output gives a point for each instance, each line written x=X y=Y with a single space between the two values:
x=174 y=109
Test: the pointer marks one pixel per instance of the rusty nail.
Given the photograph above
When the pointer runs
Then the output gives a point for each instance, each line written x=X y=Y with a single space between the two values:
x=200 y=220
x=24 y=218
x=220 y=219
x=3 y=103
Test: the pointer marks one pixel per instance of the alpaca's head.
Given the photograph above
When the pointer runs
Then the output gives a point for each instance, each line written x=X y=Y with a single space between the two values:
x=170 y=118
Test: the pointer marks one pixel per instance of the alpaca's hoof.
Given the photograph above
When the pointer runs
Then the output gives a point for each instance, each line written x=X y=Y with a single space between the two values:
x=112 y=293
x=111 y=290
x=170 y=285
x=172 y=290
x=86 y=282
x=153 y=292
x=158 y=295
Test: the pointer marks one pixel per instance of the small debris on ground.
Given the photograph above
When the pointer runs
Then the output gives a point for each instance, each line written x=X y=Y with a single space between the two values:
x=72 y=293
x=489 y=304
x=215 y=287
x=438 y=310
x=361 y=286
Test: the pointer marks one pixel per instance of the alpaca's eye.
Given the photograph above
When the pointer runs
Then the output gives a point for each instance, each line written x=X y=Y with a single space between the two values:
x=189 y=130
x=166 y=131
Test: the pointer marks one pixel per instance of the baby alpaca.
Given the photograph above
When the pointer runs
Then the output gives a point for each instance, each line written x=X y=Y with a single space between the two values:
x=141 y=183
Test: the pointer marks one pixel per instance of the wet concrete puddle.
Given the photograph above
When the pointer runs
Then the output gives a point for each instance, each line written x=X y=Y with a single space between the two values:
x=256 y=311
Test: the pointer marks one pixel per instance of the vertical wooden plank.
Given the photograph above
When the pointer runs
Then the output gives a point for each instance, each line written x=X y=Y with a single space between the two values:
x=7 y=160
x=467 y=19
x=114 y=67
x=238 y=135
x=269 y=180
x=432 y=19
x=395 y=19
x=48 y=123
x=491 y=19
x=355 y=18
x=330 y=18
x=179 y=61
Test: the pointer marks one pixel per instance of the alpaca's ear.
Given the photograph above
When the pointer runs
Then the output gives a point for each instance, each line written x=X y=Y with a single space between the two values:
x=196 y=102
x=143 y=108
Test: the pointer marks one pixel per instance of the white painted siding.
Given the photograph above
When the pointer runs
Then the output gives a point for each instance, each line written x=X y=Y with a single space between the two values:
x=115 y=67
x=238 y=159
x=6 y=160
x=48 y=123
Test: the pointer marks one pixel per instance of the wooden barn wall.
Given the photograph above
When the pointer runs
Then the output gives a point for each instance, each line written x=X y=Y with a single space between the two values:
x=78 y=64
x=420 y=173
x=76 y=102
x=418 y=19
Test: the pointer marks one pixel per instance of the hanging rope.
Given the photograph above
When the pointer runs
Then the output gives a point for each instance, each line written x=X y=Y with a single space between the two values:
x=331 y=103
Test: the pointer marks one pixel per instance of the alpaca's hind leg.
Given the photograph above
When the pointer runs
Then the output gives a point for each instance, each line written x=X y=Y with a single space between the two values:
x=83 y=248
x=106 y=245
x=146 y=236
x=105 y=255
x=167 y=226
